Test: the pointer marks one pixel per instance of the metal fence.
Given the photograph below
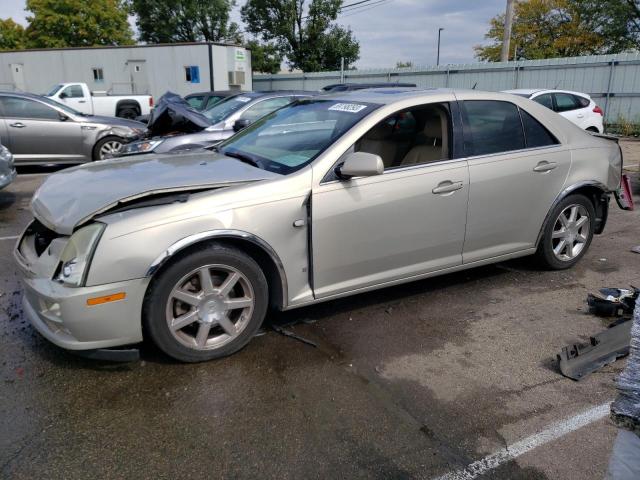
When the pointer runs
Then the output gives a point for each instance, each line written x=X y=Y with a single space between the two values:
x=613 y=81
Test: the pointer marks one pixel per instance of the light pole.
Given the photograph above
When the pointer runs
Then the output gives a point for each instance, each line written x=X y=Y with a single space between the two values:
x=438 y=57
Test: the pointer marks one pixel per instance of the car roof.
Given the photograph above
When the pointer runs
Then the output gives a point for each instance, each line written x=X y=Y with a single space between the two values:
x=221 y=93
x=386 y=96
x=532 y=91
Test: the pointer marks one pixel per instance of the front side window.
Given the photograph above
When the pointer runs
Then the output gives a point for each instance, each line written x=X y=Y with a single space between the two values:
x=292 y=137
x=410 y=137
x=196 y=101
x=491 y=127
x=566 y=102
x=264 y=107
x=14 y=107
x=545 y=100
x=73 y=91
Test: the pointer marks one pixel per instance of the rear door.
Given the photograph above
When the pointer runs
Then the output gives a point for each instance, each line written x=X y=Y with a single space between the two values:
x=516 y=170
x=38 y=133
x=570 y=108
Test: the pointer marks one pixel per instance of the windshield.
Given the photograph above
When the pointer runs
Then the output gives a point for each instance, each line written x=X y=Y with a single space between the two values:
x=290 y=138
x=223 y=110
x=54 y=90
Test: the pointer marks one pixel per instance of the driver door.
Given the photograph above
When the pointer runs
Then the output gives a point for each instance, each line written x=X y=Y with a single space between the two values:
x=404 y=223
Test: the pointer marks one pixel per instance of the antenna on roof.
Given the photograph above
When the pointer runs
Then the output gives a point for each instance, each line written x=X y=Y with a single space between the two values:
x=474 y=86
x=557 y=85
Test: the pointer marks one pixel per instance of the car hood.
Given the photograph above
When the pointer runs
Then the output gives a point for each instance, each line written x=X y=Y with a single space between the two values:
x=71 y=197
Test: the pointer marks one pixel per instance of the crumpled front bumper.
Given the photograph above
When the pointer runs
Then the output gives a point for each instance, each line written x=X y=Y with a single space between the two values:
x=66 y=316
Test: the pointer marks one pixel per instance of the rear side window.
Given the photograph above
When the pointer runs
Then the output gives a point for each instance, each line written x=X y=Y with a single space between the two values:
x=566 y=102
x=535 y=133
x=583 y=102
x=545 y=100
x=196 y=102
x=491 y=127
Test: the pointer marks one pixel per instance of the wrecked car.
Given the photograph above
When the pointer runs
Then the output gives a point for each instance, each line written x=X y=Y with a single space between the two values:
x=175 y=126
x=324 y=198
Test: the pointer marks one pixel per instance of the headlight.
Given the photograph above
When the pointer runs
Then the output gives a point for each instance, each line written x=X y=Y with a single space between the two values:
x=140 y=147
x=77 y=255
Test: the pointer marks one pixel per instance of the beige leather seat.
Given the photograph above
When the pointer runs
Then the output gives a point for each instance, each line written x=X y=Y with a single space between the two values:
x=435 y=142
x=378 y=141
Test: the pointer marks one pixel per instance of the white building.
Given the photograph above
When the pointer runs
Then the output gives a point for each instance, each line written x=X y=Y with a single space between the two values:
x=182 y=68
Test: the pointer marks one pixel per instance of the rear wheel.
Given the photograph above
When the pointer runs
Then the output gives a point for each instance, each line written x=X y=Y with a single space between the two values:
x=207 y=304
x=107 y=147
x=568 y=234
x=129 y=112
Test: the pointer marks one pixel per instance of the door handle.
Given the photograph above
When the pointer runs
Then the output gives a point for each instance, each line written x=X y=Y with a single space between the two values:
x=447 y=187
x=82 y=101
x=17 y=125
x=543 y=167
x=580 y=115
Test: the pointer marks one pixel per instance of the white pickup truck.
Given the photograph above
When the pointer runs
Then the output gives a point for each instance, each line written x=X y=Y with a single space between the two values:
x=79 y=97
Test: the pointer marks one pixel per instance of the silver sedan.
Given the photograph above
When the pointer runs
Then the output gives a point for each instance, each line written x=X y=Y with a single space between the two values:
x=40 y=131
x=324 y=198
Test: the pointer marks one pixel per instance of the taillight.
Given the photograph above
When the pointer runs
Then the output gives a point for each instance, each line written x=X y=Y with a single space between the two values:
x=597 y=109
x=151 y=102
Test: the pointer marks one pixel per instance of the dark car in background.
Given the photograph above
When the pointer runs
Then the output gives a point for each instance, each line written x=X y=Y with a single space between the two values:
x=224 y=118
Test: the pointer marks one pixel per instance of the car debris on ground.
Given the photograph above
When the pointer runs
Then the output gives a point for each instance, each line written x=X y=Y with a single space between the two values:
x=578 y=360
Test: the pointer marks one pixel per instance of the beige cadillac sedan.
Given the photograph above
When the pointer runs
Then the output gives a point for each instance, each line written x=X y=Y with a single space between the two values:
x=324 y=198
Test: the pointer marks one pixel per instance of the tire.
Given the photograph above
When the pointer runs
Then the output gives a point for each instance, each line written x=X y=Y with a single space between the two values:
x=128 y=112
x=107 y=148
x=192 y=322
x=576 y=233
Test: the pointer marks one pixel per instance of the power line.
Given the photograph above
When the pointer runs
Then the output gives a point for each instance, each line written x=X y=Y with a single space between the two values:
x=364 y=8
x=350 y=7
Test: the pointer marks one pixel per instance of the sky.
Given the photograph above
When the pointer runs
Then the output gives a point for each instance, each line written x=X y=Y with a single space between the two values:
x=394 y=30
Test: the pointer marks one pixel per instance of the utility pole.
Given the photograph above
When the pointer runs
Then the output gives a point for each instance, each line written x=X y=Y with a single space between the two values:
x=438 y=57
x=508 y=22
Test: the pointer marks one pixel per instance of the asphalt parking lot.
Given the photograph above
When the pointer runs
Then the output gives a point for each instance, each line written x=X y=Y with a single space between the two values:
x=416 y=381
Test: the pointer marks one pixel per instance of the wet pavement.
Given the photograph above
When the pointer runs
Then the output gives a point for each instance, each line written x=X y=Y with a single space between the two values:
x=408 y=382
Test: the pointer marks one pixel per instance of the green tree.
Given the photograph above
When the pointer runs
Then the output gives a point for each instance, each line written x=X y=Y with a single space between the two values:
x=77 y=23
x=543 y=29
x=12 y=35
x=265 y=58
x=307 y=37
x=616 y=21
x=168 y=21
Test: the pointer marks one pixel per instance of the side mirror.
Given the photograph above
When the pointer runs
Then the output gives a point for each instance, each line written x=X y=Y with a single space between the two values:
x=360 y=164
x=62 y=95
x=62 y=117
x=240 y=124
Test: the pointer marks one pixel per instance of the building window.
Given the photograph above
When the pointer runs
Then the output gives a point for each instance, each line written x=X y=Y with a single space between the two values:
x=98 y=75
x=192 y=74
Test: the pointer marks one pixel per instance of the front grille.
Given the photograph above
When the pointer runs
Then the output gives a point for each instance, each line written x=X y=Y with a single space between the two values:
x=42 y=236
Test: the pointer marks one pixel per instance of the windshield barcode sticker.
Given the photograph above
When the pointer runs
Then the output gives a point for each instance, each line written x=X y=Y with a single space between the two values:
x=243 y=99
x=347 y=107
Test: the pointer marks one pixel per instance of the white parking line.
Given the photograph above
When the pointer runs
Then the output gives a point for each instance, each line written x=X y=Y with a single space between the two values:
x=551 y=433
x=15 y=237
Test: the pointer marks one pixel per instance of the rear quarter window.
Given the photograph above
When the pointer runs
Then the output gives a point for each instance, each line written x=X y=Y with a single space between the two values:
x=536 y=134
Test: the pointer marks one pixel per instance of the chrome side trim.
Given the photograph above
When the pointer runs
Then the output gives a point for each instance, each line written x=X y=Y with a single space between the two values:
x=209 y=234
x=564 y=193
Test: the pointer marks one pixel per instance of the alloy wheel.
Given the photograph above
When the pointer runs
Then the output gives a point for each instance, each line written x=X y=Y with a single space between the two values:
x=209 y=307
x=109 y=148
x=570 y=232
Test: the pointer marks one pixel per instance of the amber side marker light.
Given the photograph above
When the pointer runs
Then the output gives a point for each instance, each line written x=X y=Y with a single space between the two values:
x=106 y=299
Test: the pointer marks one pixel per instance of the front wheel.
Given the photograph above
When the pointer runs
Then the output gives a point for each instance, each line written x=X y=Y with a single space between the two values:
x=568 y=234
x=207 y=304
x=107 y=148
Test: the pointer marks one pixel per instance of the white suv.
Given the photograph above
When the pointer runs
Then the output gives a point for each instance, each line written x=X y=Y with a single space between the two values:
x=575 y=106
